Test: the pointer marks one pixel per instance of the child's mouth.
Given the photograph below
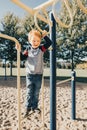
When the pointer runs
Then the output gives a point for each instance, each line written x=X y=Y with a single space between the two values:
x=35 y=46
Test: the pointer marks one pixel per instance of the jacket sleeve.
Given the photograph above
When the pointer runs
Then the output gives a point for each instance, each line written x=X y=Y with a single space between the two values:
x=24 y=54
x=47 y=44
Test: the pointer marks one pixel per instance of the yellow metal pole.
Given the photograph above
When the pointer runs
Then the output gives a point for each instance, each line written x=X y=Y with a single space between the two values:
x=66 y=2
x=36 y=21
x=18 y=75
x=18 y=89
x=44 y=5
x=29 y=10
x=42 y=103
x=82 y=7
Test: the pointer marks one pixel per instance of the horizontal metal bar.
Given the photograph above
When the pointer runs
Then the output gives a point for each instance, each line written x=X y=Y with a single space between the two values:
x=64 y=81
x=9 y=37
x=29 y=10
x=44 y=5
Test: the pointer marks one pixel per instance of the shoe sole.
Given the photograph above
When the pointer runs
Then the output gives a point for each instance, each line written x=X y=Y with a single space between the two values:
x=29 y=114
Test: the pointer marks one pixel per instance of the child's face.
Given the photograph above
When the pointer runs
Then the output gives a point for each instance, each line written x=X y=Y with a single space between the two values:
x=35 y=41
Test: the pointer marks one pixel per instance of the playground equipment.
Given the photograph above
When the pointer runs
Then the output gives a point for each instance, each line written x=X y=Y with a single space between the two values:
x=81 y=6
x=52 y=23
x=42 y=8
x=53 y=76
x=18 y=75
x=73 y=86
x=36 y=21
x=66 y=2
x=36 y=12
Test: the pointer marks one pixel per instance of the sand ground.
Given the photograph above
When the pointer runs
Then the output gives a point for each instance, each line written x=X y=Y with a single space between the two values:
x=8 y=107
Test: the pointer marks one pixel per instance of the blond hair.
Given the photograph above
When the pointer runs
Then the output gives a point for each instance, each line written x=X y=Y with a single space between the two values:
x=34 y=32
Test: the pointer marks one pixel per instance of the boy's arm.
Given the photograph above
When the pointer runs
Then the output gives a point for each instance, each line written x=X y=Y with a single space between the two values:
x=24 y=55
x=47 y=44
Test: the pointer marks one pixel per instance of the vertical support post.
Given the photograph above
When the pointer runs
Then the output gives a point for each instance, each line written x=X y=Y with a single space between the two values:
x=18 y=89
x=53 y=76
x=72 y=54
x=42 y=103
x=73 y=85
x=5 y=69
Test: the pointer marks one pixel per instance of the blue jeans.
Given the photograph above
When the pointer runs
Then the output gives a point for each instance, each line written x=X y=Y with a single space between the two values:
x=33 y=84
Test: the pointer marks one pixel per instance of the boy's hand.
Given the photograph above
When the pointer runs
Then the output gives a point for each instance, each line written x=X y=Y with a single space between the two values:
x=44 y=33
x=25 y=53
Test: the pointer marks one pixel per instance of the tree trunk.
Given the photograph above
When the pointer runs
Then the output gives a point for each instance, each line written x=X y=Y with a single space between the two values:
x=11 y=68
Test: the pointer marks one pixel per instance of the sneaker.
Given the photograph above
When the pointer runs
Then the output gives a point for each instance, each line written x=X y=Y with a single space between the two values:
x=37 y=110
x=27 y=112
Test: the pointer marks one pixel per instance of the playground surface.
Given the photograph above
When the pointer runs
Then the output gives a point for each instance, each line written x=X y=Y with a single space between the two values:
x=8 y=106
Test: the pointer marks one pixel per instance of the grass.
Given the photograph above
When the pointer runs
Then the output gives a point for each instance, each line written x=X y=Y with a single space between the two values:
x=81 y=74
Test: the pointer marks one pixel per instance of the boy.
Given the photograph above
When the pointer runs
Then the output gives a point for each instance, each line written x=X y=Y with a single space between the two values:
x=34 y=67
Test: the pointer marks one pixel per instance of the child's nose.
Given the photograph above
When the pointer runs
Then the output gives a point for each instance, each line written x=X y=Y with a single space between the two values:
x=35 y=43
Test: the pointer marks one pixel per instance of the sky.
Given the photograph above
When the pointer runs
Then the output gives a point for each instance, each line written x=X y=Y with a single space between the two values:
x=9 y=6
